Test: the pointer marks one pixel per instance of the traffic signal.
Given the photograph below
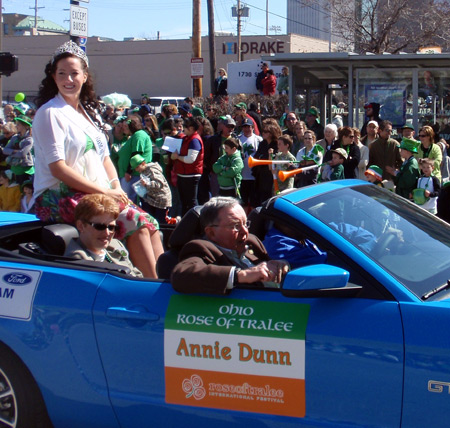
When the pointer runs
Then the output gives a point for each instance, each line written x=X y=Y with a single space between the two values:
x=9 y=63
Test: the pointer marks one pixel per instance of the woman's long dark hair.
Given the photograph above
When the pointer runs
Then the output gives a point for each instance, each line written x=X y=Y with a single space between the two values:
x=88 y=98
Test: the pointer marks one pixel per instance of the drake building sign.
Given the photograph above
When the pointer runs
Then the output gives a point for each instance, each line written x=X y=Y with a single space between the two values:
x=256 y=48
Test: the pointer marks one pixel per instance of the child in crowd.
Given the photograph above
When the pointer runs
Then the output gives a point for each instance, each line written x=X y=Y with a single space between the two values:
x=374 y=175
x=228 y=169
x=428 y=187
x=9 y=192
x=26 y=202
x=405 y=180
x=284 y=145
x=158 y=197
x=335 y=168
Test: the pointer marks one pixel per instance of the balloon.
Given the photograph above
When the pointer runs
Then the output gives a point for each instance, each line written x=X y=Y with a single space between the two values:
x=20 y=96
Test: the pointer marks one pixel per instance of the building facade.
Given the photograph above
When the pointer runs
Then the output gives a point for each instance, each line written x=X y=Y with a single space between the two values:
x=154 y=67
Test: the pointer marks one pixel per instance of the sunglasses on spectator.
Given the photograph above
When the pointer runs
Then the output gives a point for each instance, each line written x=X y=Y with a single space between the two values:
x=423 y=135
x=101 y=227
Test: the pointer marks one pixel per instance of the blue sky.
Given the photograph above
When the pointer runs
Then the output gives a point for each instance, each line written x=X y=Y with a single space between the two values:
x=118 y=19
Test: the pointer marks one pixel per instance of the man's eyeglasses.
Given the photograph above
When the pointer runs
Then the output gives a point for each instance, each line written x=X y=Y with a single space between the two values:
x=291 y=119
x=234 y=227
x=101 y=227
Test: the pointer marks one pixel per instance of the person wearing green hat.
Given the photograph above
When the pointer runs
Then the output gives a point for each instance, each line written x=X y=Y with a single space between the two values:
x=138 y=143
x=19 y=151
x=374 y=175
x=240 y=115
x=312 y=122
x=405 y=179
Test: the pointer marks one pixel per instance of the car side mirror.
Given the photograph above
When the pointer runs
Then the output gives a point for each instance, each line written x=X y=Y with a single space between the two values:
x=309 y=280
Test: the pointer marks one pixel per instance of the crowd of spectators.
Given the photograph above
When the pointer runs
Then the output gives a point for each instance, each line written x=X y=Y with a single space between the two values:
x=152 y=169
x=214 y=148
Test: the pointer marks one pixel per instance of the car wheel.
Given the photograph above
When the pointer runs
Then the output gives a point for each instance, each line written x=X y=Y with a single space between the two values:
x=21 y=403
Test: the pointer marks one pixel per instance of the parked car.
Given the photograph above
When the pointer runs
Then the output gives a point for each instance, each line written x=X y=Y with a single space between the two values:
x=360 y=341
x=158 y=102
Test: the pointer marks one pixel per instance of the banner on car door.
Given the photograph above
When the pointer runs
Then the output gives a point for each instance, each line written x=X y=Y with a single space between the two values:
x=234 y=354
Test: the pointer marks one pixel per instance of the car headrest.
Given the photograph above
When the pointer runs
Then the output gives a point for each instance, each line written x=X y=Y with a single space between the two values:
x=56 y=237
x=187 y=229
x=258 y=223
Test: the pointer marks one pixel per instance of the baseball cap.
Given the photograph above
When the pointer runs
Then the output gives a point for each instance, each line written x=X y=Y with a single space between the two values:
x=241 y=106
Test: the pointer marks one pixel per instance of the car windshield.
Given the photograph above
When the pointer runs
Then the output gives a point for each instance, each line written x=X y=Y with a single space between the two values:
x=404 y=240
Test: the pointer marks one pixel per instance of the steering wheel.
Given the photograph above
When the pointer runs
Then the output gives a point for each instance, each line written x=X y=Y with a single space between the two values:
x=383 y=244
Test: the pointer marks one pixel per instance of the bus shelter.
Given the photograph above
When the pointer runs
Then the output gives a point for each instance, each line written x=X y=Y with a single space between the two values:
x=411 y=88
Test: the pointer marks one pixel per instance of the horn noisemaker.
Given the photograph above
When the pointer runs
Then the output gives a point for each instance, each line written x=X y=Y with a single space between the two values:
x=257 y=162
x=284 y=175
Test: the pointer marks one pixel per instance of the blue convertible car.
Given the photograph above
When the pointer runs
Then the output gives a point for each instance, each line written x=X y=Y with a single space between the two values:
x=362 y=340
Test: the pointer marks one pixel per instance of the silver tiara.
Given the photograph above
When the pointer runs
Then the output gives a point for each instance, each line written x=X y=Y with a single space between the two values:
x=72 y=48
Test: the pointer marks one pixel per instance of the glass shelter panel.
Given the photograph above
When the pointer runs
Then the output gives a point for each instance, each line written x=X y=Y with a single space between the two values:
x=434 y=100
x=392 y=89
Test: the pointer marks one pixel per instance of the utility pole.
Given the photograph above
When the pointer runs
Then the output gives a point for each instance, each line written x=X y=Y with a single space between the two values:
x=239 y=30
x=196 y=44
x=35 y=31
x=267 y=17
x=212 y=43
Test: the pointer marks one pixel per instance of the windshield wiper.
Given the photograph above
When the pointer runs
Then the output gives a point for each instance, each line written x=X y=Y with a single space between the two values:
x=436 y=290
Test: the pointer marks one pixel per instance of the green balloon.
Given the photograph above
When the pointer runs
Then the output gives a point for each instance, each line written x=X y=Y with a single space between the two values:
x=20 y=96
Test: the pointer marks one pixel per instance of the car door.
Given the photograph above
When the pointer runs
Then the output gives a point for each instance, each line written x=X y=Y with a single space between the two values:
x=427 y=363
x=250 y=358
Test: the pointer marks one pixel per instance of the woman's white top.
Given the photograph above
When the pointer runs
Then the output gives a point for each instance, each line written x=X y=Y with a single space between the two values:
x=60 y=133
x=363 y=163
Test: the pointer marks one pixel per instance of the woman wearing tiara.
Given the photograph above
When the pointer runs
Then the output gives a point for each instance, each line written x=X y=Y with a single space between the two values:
x=72 y=156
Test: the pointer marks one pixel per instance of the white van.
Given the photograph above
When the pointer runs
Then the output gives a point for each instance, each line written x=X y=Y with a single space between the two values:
x=157 y=102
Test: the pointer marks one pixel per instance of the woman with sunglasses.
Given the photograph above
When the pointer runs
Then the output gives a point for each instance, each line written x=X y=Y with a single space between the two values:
x=95 y=219
x=429 y=149
x=347 y=142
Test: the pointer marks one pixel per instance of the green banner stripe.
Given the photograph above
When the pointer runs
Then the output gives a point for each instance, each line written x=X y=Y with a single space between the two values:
x=237 y=316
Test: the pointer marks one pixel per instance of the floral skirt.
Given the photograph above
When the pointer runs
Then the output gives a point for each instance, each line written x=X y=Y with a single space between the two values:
x=59 y=206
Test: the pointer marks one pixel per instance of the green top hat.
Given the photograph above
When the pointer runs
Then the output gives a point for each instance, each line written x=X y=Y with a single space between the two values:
x=410 y=145
x=24 y=119
x=136 y=160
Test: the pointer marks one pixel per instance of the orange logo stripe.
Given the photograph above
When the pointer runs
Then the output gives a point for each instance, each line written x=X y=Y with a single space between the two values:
x=246 y=393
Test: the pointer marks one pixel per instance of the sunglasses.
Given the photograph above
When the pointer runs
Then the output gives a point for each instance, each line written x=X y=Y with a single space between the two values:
x=423 y=135
x=101 y=227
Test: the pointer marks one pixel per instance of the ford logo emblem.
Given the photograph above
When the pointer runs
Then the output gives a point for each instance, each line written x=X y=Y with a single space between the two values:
x=17 y=278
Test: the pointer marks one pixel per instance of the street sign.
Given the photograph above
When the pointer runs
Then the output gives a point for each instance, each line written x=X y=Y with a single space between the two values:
x=196 y=68
x=78 y=21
